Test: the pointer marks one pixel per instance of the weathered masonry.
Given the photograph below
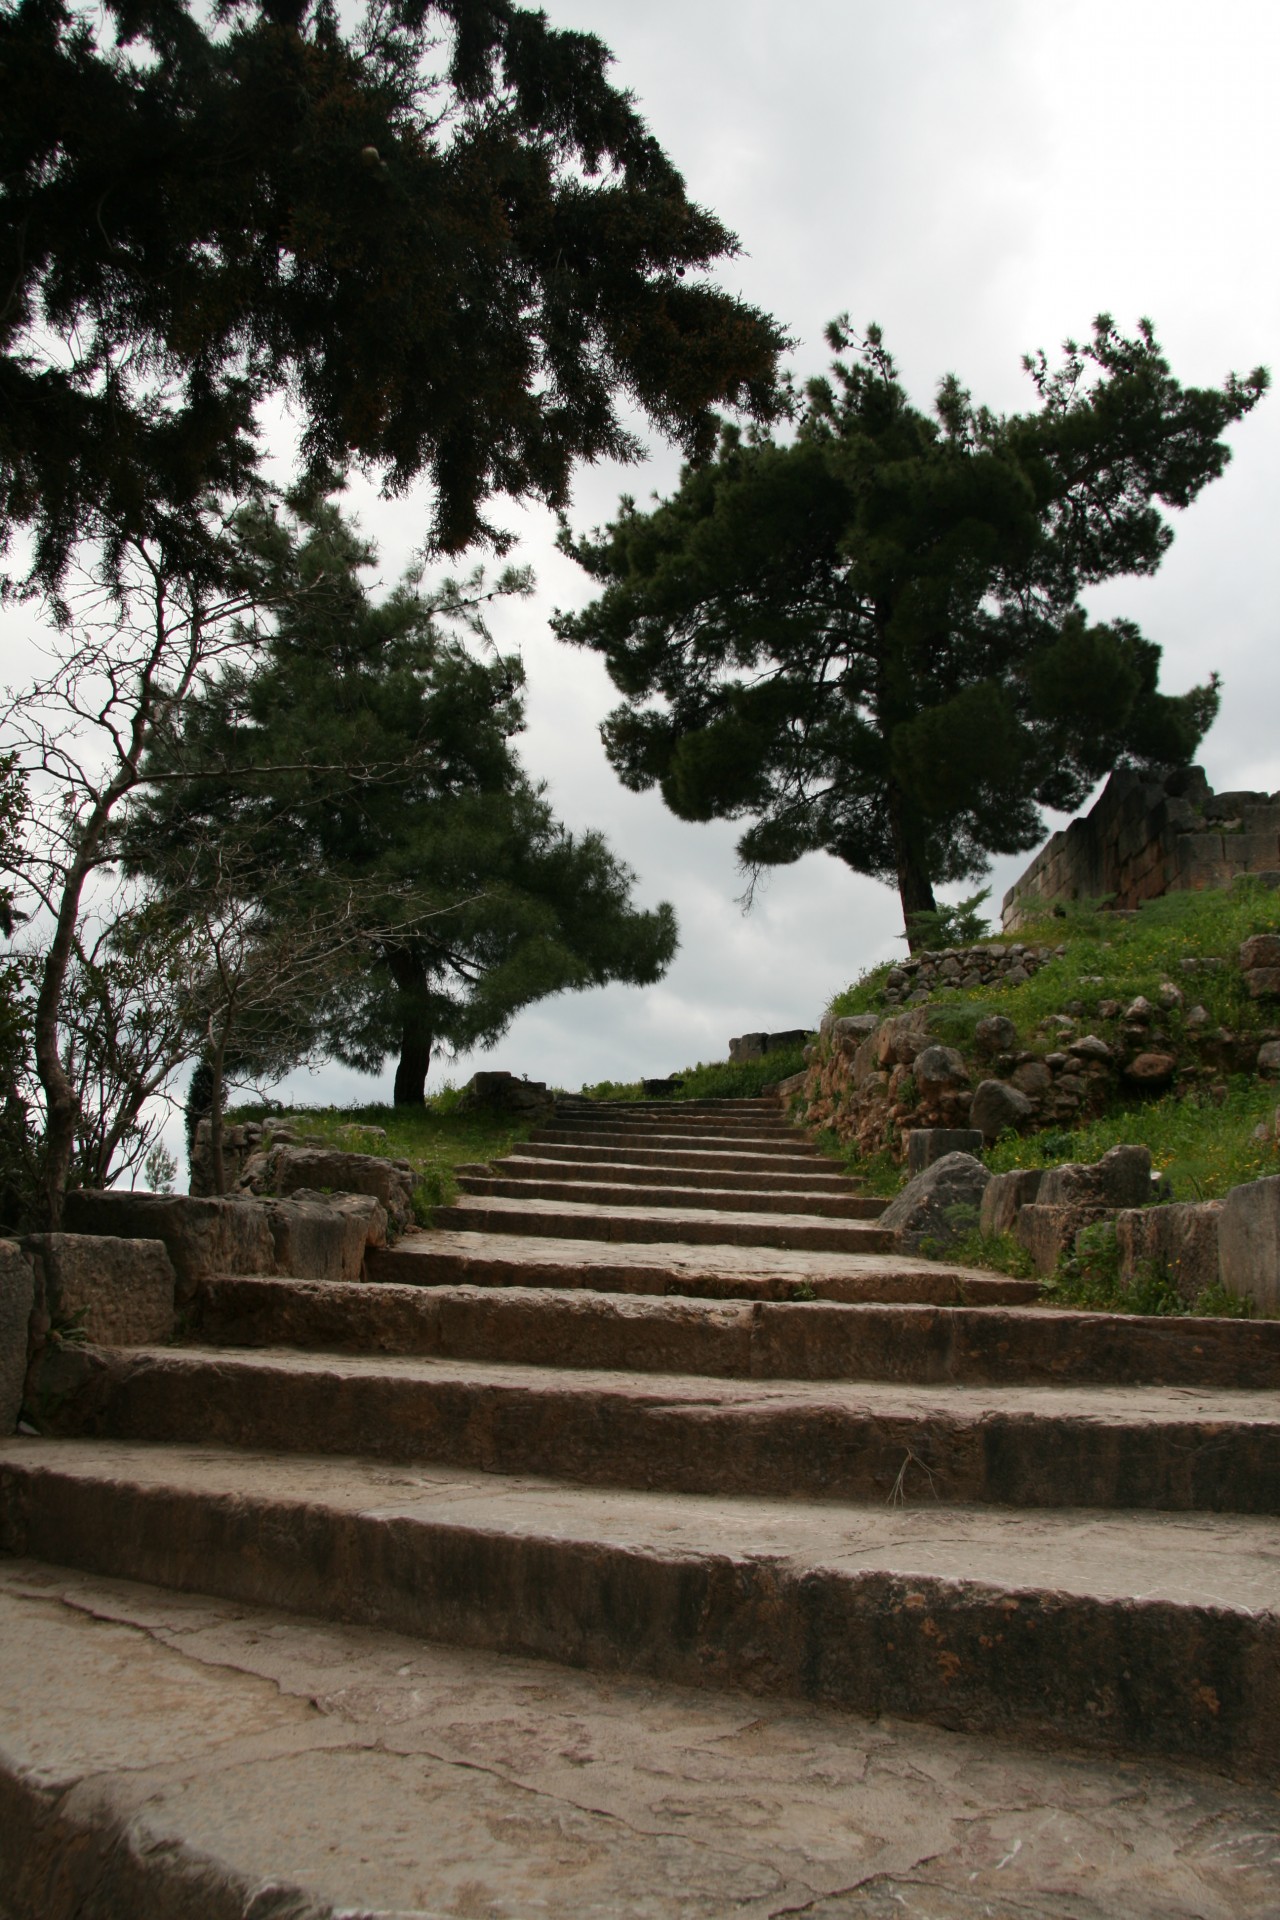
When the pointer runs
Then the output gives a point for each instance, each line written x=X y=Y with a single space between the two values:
x=1146 y=836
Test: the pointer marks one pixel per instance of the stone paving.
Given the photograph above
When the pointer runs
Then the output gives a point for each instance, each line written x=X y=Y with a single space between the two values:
x=647 y=1576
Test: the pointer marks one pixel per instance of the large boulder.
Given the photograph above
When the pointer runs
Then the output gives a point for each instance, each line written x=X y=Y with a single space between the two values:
x=1180 y=1240
x=115 y=1292
x=999 y=1108
x=939 y=1206
x=1249 y=1243
x=995 y=1033
x=219 y=1234
x=17 y=1298
x=290 y=1169
x=937 y=1069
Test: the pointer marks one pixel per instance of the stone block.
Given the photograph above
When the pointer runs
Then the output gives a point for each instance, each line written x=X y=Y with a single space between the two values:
x=1032 y=1078
x=320 y=1236
x=388 y=1181
x=1268 y=1061
x=1121 y=1178
x=1249 y=1243
x=1260 y=950
x=1047 y=1231
x=1005 y=1196
x=1180 y=1240
x=117 y=1292
x=1263 y=983
x=997 y=1107
x=851 y=1030
x=927 y=1144
x=17 y=1299
x=218 y=1234
x=497 y=1091
x=939 y=1205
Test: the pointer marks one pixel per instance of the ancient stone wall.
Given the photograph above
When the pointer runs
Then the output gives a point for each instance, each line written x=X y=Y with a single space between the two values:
x=1146 y=836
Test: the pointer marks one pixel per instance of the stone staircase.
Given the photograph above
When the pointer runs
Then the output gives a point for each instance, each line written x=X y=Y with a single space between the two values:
x=648 y=1540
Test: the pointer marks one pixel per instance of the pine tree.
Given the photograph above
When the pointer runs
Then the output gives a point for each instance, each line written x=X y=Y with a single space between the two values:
x=389 y=777
x=434 y=225
x=869 y=640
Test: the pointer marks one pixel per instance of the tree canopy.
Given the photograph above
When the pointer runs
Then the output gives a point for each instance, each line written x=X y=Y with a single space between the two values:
x=366 y=755
x=870 y=639
x=437 y=229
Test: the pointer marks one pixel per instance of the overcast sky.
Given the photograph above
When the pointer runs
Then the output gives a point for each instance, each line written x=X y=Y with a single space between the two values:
x=981 y=177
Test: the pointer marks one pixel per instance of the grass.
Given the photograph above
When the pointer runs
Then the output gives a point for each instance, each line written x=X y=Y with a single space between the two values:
x=1202 y=1143
x=1110 y=958
x=720 y=1080
x=434 y=1139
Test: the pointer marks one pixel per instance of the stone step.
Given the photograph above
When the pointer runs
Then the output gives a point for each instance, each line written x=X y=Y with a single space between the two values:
x=1151 y=1633
x=668 y=1143
x=594 y=1193
x=764 y=1105
x=1016 y=1446
x=710 y=1272
x=810 y=1340
x=677 y=1127
x=804 y=1160
x=262 y=1762
x=529 y=1164
x=563 y=1220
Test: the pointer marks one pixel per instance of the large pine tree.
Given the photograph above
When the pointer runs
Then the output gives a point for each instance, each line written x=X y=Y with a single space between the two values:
x=435 y=226
x=869 y=639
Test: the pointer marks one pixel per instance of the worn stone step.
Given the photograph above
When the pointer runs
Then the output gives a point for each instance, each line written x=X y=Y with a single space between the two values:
x=810 y=1340
x=624 y=1194
x=531 y=1165
x=667 y=1142
x=762 y=1108
x=1152 y=1633
x=704 y=1227
x=673 y=1127
x=1128 y=1447
x=713 y=1271
x=804 y=1160
x=260 y=1761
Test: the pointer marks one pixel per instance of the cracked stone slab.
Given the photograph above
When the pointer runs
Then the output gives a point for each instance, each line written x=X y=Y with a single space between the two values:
x=1156 y=1633
x=244 y=1760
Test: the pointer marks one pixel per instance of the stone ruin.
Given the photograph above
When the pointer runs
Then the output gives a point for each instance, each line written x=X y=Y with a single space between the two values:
x=1147 y=835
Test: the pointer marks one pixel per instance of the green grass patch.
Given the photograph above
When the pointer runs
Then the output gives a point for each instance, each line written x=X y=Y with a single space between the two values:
x=434 y=1139
x=1110 y=957
x=1202 y=1146
x=718 y=1080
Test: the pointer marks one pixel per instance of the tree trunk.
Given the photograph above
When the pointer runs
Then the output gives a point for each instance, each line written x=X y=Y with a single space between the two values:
x=416 y=1035
x=915 y=888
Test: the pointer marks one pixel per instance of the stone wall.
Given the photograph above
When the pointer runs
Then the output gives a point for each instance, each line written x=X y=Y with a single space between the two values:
x=1146 y=836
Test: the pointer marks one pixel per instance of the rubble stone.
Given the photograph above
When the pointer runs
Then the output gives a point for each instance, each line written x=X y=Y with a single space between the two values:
x=997 y=1107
